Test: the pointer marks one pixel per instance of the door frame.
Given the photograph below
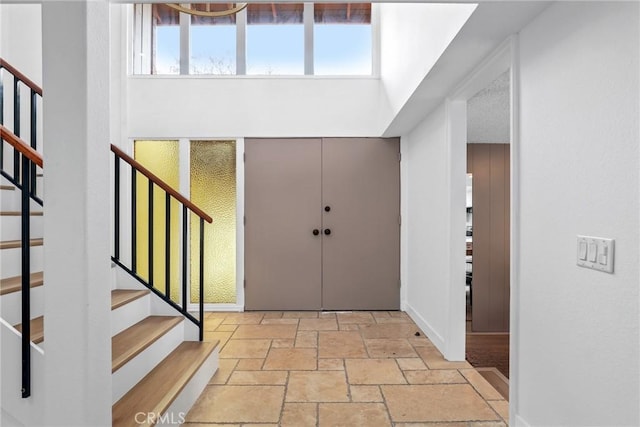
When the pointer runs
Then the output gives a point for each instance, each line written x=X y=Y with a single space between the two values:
x=504 y=58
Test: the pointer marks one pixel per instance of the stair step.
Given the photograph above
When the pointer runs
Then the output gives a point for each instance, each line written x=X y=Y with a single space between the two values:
x=18 y=213
x=12 y=244
x=132 y=341
x=37 y=329
x=157 y=391
x=120 y=297
x=7 y=187
x=14 y=284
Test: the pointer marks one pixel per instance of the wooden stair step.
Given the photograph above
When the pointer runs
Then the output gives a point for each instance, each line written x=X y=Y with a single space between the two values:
x=7 y=187
x=37 y=329
x=132 y=341
x=157 y=391
x=14 y=284
x=12 y=244
x=18 y=213
x=120 y=297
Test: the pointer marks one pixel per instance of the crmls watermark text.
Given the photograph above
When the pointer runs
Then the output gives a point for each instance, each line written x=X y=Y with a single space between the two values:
x=153 y=418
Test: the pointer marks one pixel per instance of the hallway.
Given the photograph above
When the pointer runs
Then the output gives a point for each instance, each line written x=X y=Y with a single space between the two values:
x=338 y=369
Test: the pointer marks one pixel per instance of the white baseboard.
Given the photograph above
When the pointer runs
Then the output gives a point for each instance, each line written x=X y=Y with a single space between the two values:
x=520 y=422
x=431 y=333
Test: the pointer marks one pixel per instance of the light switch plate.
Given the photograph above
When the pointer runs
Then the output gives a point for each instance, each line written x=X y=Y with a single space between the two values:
x=596 y=253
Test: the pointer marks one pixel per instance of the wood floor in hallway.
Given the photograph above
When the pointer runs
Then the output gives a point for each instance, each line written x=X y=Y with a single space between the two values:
x=338 y=369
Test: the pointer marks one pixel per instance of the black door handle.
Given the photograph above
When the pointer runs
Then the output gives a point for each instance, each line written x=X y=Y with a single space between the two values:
x=327 y=231
x=327 y=208
x=316 y=232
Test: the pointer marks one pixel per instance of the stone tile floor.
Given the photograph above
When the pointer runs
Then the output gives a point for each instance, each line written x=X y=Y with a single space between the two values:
x=338 y=369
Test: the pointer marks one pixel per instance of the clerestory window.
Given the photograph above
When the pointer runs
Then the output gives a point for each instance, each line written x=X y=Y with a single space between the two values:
x=285 y=39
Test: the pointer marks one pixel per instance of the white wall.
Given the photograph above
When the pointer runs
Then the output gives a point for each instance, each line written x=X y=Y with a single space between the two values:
x=255 y=107
x=21 y=38
x=427 y=193
x=578 y=328
x=413 y=37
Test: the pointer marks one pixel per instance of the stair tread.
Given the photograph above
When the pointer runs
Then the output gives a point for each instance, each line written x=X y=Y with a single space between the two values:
x=120 y=297
x=133 y=340
x=7 y=187
x=157 y=391
x=18 y=213
x=14 y=284
x=37 y=329
x=12 y=244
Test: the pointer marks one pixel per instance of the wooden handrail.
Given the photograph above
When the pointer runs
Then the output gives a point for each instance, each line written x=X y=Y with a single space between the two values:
x=21 y=146
x=160 y=183
x=24 y=79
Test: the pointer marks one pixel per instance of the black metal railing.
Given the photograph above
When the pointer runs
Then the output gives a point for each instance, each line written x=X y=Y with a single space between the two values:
x=188 y=209
x=19 y=82
x=28 y=158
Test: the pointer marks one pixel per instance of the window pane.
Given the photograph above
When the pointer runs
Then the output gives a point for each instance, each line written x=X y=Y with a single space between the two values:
x=342 y=39
x=275 y=39
x=166 y=40
x=213 y=41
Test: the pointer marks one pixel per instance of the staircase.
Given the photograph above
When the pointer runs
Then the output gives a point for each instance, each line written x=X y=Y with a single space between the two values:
x=159 y=367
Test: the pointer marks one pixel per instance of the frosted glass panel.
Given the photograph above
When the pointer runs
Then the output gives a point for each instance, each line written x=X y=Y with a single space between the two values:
x=213 y=189
x=161 y=158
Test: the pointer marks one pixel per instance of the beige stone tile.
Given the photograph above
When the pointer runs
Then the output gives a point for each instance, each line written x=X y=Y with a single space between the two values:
x=389 y=330
x=237 y=404
x=439 y=402
x=327 y=315
x=399 y=314
x=501 y=407
x=269 y=321
x=243 y=319
x=340 y=345
x=249 y=364
x=211 y=323
x=379 y=348
x=438 y=376
x=394 y=320
x=380 y=314
x=272 y=315
x=318 y=325
x=481 y=385
x=358 y=317
x=373 y=371
x=431 y=425
x=307 y=339
x=300 y=314
x=260 y=425
x=291 y=359
x=225 y=368
x=434 y=359
x=486 y=424
x=299 y=415
x=221 y=337
x=365 y=393
x=265 y=331
x=258 y=378
x=330 y=365
x=282 y=343
x=216 y=314
x=348 y=327
x=411 y=364
x=245 y=349
x=420 y=342
x=352 y=414
x=317 y=386
x=188 y=424
x=226 y=328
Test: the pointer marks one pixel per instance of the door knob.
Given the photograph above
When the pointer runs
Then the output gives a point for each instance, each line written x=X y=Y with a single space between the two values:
x=327 y=231
x=327 y=208
x=316 y=232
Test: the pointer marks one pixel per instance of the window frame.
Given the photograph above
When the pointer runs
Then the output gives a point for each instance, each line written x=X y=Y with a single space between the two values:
x=141 y=42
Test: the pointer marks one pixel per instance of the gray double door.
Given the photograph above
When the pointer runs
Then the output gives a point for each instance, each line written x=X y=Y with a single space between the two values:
x=322 y=224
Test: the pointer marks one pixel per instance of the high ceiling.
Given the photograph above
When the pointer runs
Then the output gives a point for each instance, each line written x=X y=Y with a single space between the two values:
x=488 y=113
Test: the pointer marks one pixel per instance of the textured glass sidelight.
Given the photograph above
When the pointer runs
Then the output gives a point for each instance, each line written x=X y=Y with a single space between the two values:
x=162 y=159
x=213 y=189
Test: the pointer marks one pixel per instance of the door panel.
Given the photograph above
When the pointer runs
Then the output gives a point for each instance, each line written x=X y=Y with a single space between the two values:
x=361 y=256
x=282 y=205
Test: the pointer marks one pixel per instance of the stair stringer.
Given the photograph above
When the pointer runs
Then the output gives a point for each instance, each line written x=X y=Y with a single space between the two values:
x=29 y=411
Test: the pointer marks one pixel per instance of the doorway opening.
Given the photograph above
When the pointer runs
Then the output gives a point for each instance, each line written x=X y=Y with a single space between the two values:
x=488 y=232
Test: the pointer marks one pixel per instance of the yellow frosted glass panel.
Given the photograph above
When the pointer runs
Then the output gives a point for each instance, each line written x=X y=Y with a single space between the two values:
x=213 y=189
x=161 y=158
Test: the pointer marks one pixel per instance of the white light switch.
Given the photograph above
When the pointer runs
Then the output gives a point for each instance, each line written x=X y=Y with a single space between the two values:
x=596 y=253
